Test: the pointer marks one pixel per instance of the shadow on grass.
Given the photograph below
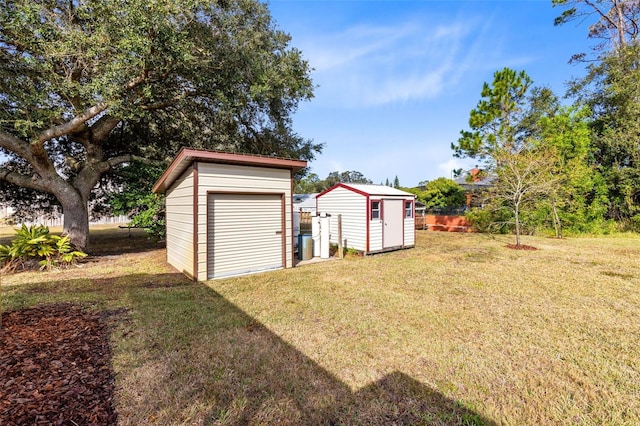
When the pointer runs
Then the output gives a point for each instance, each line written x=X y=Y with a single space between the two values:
x=116 y=241
x=109 y=241
x=187 y=355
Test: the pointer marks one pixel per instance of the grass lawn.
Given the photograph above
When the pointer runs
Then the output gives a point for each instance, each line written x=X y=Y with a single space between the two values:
x=459 y=330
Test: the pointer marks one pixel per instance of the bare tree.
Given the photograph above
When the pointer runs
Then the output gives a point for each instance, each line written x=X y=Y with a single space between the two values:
x=523 y=177
x=616 y=23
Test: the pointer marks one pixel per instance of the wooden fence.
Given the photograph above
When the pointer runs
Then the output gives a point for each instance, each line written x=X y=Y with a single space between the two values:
x=443 y=223
x=305 y=222
x=432 y=222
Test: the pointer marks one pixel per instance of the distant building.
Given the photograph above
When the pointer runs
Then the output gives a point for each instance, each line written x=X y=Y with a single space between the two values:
x=475 y=182
x=304 y=202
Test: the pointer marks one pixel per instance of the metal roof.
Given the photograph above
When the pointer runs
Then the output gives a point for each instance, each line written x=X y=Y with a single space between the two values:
x=187 y=156
x=365 y=189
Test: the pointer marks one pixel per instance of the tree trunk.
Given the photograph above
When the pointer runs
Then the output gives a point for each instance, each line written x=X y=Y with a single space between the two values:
x=556 y=220
x=517 y=218
x=76 y=221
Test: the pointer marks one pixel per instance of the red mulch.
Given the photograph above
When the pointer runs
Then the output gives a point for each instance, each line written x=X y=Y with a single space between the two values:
x=54 y=367
x=521 y=247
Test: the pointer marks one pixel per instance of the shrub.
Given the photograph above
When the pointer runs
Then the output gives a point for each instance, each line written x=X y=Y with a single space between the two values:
x=150 y=216
x=488 y=220
x=36 y=243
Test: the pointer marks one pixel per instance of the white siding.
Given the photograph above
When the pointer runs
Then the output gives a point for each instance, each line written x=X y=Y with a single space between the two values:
x=410 y=226
x=245 y=234
x=241 y=179
x=375 y=235
x=179 y=220
x=410 y=231
x=353 y=207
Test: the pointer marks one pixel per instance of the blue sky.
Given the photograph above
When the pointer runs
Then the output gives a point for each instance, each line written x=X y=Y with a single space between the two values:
x=396 y=80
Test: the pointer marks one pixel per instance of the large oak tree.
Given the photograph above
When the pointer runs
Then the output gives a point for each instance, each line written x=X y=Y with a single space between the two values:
x=88 y=86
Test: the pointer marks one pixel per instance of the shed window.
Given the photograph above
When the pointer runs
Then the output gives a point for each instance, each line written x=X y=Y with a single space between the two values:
x=375 y=210
x=408 y=209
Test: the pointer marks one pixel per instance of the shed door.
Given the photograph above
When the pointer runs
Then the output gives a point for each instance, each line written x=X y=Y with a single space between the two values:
x=392 y=216
x=244 y=234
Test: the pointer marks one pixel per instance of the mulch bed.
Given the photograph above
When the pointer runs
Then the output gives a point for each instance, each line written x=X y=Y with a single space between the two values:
x=521 y=247
x=54 y=367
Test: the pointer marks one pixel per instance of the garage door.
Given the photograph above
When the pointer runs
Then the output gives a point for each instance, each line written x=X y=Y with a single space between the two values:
x=244 y=234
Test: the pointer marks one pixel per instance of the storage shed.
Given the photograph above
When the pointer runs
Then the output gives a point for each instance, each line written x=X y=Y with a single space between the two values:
x=375 y=218
x=228 y=214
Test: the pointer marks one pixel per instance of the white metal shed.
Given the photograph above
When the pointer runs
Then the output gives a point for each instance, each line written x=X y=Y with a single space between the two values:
x=228 y=214
x=375 y=218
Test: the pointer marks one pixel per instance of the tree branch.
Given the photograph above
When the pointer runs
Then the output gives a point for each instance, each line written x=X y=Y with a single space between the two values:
x=70 y=126
x=135 y=82
x=605 y=17
x=103 y=127
x=116 y=161
x=90 y=174
x=13 y=144
x=21 y=180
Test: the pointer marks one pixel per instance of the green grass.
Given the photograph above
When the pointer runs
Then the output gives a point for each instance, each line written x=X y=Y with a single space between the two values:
x=459 y=330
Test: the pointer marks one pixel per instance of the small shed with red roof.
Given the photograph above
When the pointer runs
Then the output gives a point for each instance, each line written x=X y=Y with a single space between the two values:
x=375 y=218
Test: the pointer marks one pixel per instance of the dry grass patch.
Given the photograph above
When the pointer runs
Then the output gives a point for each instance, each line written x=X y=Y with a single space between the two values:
x=459 y=330
x=523 y=337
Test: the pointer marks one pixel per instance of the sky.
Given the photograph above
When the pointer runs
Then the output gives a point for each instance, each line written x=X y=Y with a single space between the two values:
x=396 y=80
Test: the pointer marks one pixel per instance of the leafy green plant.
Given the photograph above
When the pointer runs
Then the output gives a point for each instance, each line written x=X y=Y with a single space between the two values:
x=60 y=254
x=352 y=252
x=36 y=243
x=5 y=253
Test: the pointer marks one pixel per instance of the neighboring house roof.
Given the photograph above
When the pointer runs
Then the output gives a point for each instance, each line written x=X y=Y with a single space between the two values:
x=187 y=156
x=484 y=182
x=304 y=201
x=474 y=179
x=369 y=189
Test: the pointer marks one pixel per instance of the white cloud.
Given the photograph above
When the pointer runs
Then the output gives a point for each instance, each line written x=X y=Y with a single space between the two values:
x=351 y=46
x=376 y=65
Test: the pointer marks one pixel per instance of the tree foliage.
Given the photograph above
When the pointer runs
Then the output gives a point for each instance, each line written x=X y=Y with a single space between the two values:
x=87 y=86
x=524 y=178
x=578 y=201
x=312 y=183
x=440 y=193
x=503 y=129
x=136 y=199
x=594 y=143
x=495 y=121
x=611 y=90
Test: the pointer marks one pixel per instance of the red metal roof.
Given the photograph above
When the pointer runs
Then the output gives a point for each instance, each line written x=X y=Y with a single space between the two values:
x=366 y=189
